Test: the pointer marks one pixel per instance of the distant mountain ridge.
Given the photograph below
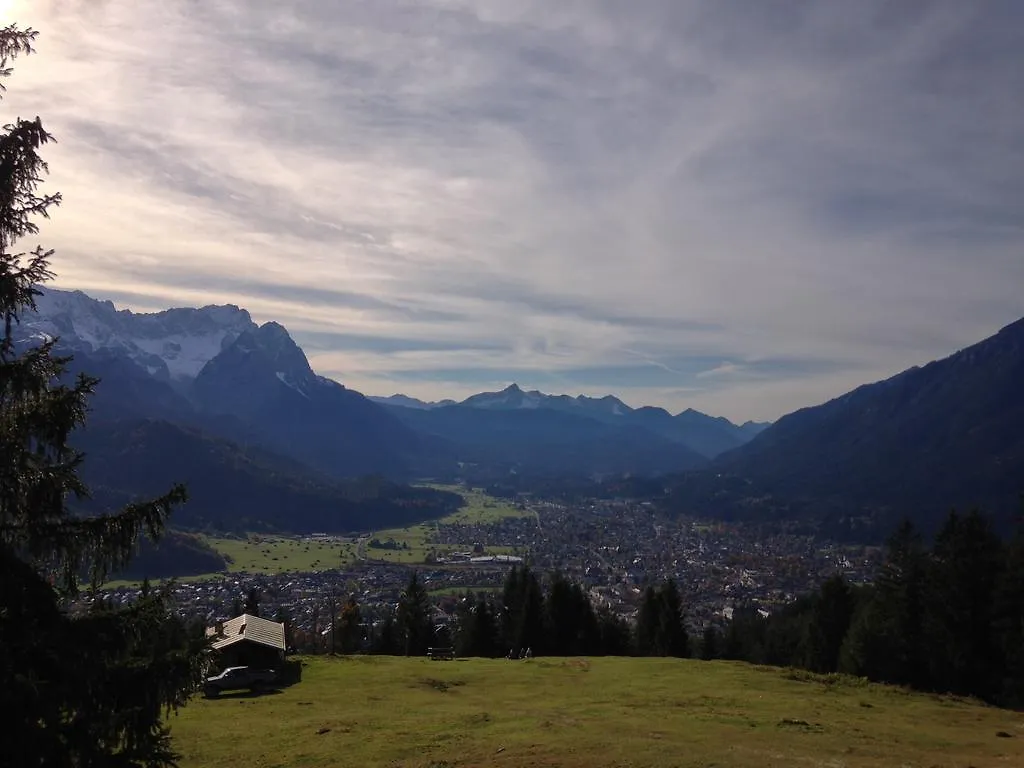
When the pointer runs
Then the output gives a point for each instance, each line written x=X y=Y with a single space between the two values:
x=227 y=387
x=703 y=434
x=947 y=434
x=207 y=393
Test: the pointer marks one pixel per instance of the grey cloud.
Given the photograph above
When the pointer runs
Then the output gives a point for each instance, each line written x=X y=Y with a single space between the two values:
x=329 y=341
x=241 y=288
x=812 y=192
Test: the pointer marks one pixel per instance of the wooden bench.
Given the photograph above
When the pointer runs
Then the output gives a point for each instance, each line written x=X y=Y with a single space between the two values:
x=440 y=654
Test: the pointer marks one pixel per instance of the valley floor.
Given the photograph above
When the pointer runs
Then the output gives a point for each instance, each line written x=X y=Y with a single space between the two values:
x=367 y=711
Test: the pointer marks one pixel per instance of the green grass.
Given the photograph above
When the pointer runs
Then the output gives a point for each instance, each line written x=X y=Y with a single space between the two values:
x=279 y=554
x=479 y=509
x=269 y=554
x=369 y=711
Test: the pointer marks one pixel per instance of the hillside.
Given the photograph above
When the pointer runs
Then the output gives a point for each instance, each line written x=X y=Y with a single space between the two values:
x=232 y=488
x=376 y=710
x=176 y=554
x=549 y=441
x=948 y=434
x=213 y=370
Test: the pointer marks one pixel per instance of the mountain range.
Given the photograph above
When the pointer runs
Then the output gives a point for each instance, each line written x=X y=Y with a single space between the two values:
x=207 y=393
x=702 y=434
x=208 y=396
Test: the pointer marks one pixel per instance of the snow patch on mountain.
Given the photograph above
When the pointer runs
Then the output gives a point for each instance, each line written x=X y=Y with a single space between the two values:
x=174 y=344
x=184 y=355
x=285 y=379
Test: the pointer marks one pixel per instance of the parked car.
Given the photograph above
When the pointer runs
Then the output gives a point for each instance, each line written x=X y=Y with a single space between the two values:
x=239 y=678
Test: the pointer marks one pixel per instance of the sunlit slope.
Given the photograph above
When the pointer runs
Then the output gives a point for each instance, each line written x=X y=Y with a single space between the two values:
x=365 y=711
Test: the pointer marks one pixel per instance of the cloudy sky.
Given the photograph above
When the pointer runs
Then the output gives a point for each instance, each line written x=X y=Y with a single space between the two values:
x=744 y=207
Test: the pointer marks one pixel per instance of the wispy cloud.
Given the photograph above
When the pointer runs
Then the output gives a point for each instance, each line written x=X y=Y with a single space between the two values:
x=443 y=195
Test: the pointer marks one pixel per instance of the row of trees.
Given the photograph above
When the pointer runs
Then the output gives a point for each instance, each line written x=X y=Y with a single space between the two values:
x=947 y=617
x=553 y=617
x=944 y=617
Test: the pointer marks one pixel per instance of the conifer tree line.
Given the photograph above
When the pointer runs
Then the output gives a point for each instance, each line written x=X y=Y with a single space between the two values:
x=944 y=618
x=552 y=616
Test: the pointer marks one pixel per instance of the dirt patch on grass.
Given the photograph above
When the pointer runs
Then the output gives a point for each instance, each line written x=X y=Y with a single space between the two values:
x=440 y=685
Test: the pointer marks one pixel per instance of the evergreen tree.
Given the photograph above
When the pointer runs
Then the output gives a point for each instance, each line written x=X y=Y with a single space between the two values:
x=588 y=638
x=87 y=689
x=647 y=623
x=252 y=602
x=967 y=559
x=1008 y=623
x=282 y=617
x=511 y=608
x=478 y=630
x=387 y=640
x=613 y=633
x=886 y=640
x=660 y=629
x=523 y=615
x=709 y=643
x=413 y=619
x=532 y=634
x=830 y=619
x=563 y=618
x=572 y=628
x=349 y=626
x=672 y=638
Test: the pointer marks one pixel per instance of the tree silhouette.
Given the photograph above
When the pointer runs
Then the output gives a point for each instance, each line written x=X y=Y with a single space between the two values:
x=85 y=689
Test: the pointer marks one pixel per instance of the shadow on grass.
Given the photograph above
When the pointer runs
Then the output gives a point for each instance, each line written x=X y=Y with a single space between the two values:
x=288 y=674
x=246 y=694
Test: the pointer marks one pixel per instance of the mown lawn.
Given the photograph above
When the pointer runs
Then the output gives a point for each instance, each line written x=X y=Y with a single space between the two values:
x=368 y=711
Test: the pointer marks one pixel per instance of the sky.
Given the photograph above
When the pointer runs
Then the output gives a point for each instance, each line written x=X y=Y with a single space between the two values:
x=742 y=207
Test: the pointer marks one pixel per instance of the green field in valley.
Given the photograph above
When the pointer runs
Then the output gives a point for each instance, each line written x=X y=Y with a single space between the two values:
x=480 y=508
x=267 y=553
x=414 y=541
x=383 y=711
x=259 y=553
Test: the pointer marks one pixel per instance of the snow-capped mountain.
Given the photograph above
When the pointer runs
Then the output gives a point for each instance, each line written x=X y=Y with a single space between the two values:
x=513 y=397
x=404 y=401
x=172 y=345
x=706 y=435
x=215 y=368
x=264 y=380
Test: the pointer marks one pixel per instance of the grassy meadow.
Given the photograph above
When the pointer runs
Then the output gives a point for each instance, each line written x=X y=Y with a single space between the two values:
x=479 y=509
x=264 y=554
x=269 y=554
x=370 y=711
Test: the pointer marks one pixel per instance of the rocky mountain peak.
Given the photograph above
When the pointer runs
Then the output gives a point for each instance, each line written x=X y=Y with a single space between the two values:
x=172 y=345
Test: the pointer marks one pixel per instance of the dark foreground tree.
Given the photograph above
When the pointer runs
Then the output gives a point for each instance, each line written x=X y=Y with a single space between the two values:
x=413 y=618
x=660 y=630
x=87 y=689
